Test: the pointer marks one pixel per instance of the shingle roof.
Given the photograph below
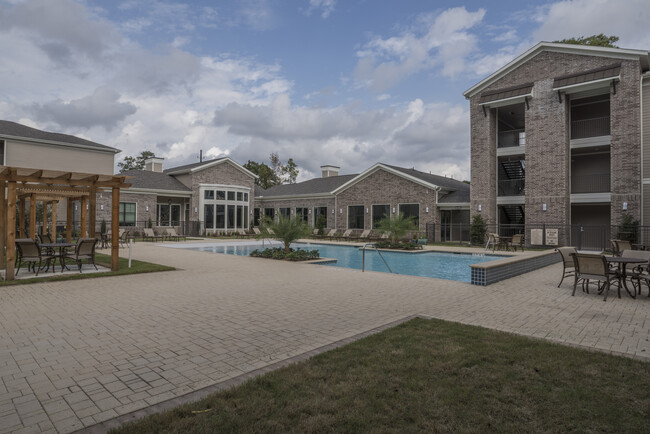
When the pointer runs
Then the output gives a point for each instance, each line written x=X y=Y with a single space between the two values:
x=154 y=181
x=608 y=71
x=458 y=196
x=8 y=128
x=313 y=186
x=191 y=166
x=440 y=181
x=506 y=92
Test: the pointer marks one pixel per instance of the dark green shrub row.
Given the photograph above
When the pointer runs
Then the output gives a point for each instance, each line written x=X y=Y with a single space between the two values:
x=398 y=245
x=293 y=255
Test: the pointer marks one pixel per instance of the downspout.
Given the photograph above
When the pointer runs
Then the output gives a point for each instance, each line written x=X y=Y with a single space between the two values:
x=641 y=133
x=335 y=210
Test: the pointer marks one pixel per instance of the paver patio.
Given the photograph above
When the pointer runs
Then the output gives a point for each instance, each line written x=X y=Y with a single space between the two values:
x=80 y=352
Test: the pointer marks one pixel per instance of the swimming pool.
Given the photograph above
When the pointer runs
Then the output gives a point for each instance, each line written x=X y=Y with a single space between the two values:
x=452 y=266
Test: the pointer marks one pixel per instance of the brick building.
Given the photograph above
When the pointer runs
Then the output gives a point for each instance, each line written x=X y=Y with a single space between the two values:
x=556 y=138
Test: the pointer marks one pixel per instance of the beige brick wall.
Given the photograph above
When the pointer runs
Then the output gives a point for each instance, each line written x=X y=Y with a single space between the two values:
x=383 y=187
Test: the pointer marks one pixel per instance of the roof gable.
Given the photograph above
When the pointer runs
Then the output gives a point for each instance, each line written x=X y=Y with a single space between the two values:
x=196 y=167
x=315 y=186
x=587 y=50
x=154 y=181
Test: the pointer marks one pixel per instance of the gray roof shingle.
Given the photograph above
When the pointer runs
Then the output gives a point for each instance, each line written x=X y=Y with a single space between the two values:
x=458 y=196
x=191 y=166
x=440 y=181
x=154 y=181
x=8 y=128
x=313 y=186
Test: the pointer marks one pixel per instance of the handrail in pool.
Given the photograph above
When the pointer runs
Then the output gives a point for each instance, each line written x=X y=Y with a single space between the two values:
x=363 y=257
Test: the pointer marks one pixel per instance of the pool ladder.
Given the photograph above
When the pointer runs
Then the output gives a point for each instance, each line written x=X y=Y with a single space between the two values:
x=363 y=260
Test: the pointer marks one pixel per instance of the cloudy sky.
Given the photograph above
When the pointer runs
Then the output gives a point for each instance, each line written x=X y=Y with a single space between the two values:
x=345 y=82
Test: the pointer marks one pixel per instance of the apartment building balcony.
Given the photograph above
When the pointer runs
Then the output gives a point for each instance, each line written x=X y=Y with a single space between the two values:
x=594 y=183
x=590 y=122
x=512 y=187
x=593 y=127
x=511 y=131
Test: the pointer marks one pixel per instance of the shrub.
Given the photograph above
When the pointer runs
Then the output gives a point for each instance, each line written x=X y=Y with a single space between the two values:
x=397 y=245
x=628 y=228
x=286 y=230
x=477 y=230
x=396 y=228
x=291 y=255
x=102 y=227
x=321 y=223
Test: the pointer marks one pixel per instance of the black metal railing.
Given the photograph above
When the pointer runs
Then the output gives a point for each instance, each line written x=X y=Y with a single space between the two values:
x=511 y=138
x=593 y=127
x=596 y=183
x=512 y=187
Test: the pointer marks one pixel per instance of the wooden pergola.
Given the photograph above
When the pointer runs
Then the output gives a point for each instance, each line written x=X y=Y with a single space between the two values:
x=18 y=185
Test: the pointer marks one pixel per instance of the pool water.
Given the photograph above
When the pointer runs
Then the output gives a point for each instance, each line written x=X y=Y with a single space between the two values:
x=452 y=266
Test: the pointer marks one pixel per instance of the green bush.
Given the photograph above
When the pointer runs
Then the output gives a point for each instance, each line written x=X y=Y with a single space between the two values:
x=397 y=227
x=477 y=230
x=397 y=245
x=628 y=228
x=321 y=223
x=291 y=255
x=285 y=229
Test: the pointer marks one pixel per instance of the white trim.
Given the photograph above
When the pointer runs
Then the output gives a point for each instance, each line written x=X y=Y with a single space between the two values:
x=180 y=213
x=377 y=167
x=506 y=101
x=511 y=200
x=296 y=197
x=212 y=164
x=590 y=142
x=511 y=151
x=453 y=206
x=155 y=191
x=62 y=144
x=225 y=186
x=616 y=53
x=591 y=198
x=646 y=180
x=587 y=85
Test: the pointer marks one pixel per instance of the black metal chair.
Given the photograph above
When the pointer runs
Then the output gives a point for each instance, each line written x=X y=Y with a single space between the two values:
x=568 y=264
x=85 y=250
x=30 y=252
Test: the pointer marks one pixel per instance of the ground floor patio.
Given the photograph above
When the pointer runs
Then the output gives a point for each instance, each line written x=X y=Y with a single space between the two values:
x=75 y=353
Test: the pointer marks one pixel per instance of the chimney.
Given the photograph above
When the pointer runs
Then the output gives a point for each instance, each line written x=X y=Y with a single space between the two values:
x=154 y=164
x=327 y=171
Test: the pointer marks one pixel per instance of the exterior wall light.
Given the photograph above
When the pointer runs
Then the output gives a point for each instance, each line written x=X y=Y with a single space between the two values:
x=393 y=210
x=426 y=209
x=309 y=211
x=480 y=207
x=196 y=209
x=544 y=207
x=101 y=207
x=340 y=210
x=146 y=208
x=366 y=210
x=332 y=211
x=624 y=206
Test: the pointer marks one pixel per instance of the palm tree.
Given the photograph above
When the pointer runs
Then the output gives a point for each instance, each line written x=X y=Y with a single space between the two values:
x=397 y=227
x=286 y=230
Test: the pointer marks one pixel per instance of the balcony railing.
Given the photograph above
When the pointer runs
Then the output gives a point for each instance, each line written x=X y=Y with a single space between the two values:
x=512 y=187
x=596 y=183
x=593 y=127
x=508 y=139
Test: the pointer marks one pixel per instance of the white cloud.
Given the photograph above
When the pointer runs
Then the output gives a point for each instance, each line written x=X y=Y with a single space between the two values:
x=627 y=19
x=436 y=41
x=326 y=7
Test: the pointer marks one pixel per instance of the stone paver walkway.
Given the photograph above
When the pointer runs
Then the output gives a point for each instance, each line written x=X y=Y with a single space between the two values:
x=80 y=352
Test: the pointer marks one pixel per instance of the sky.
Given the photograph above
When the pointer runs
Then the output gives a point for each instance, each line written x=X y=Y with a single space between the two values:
x=339 y=82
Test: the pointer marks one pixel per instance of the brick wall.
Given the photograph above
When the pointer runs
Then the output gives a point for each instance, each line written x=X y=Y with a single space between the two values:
x=483 y=162
x=300 y=203
x=381 y=188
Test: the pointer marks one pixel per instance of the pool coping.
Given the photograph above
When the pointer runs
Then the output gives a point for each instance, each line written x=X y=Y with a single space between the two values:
x=486 y=273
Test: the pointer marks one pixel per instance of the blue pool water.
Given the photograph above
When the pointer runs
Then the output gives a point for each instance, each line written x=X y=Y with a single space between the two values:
x=453 y=266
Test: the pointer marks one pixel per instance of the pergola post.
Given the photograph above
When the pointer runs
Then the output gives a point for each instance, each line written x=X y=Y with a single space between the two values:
x=44 y=229
x=115 y=229
x=21 y=217
x=3 y=222
x=84 y=204
x=11 y=230
x=93 y=211
x=53 y=230
x=68 y=223
x=32 y=216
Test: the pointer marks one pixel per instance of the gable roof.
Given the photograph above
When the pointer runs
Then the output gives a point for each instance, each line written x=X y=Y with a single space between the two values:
x=154 y=181
x=195 y=167
x=458 y=196
x=437 y=180
x=587 y=50
x=314 y=186
x=13 y=130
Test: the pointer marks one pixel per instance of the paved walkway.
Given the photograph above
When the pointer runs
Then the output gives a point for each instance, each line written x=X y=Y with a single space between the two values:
x=80 y=352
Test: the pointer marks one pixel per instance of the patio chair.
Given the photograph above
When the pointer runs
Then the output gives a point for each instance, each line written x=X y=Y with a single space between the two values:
x=347 y=234
x=640 y=273
x=171 y=233
x=257 y=231
x=593 y=267
x=30 y=252
x=622 y=245
x=85 y=250
x=331 y=234
x=516 y=241
x=365 y=235
x=615 y=251
x=568 y=264
x=148 y=233
x=124 y=238
x=242 y=233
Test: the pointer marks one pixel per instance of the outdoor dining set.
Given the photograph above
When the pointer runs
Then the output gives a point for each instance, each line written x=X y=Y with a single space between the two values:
x=43 y=252
x=627 y=268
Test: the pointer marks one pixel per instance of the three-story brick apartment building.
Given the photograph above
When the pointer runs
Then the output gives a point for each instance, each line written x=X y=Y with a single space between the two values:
x=561 y=135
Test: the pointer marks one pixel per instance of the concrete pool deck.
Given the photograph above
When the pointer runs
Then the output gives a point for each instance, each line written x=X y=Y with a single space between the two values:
x=76 y=353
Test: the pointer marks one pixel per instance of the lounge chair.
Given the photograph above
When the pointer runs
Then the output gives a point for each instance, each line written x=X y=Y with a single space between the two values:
x=347 y=234
x=171 y=233
x=85 y=250
x=365 y=235
x=331 y=234
x=568 y=263
x=124 y=238
x=257 y=231
x=242 y=233
x=516 y=241
x=593 y=267
x=30 y=252
x=148 y=233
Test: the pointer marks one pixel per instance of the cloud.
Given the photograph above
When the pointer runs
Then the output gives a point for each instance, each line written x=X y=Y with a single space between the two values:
x=627 y=19
x=326 y=7
x=435 y=41
x=102 y=108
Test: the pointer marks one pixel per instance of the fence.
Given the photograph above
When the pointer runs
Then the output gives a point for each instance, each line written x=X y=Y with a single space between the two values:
x=583 y=237
x=186 y=228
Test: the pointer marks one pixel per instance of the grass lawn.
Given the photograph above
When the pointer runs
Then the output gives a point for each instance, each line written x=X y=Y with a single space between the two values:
x=101 y=259
x=430 y=375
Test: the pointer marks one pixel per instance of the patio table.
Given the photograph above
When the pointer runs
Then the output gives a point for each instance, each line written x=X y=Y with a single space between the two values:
x=622 y=270
x=61 y=254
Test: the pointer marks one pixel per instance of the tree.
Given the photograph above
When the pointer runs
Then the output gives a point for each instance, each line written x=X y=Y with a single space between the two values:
x=321 y=223
x=286 y=230
x=600 y=40
x=134 y=163
x=396 y=228
x=266 y=177
x=276 y=173
x=477 y=230
x=290 y=171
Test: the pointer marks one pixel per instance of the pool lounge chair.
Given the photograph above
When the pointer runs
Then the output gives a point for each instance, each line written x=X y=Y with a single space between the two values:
x=346 y=235
x=149 y=234
x=331 y=234
x=257 y=231
x=365 y=235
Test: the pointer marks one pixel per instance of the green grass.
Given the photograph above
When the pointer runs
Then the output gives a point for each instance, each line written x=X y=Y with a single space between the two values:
x=430 y=375
x=101 y=259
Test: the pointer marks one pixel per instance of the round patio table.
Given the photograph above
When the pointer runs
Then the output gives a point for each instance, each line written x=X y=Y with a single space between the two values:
x=61 y=255
x=622 y=271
